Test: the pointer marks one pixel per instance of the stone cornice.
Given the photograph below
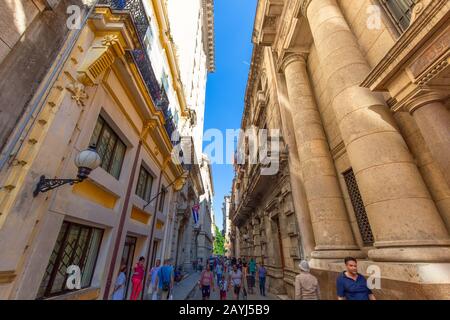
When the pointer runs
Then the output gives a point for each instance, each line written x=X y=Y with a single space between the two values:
x=252 y=77
x=407 y=44
x=208 y=11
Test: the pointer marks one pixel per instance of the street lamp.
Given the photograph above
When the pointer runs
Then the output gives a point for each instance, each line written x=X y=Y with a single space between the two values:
x=86 y=161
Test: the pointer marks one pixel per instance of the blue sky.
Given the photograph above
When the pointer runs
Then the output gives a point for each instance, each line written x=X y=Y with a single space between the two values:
x=226 y=87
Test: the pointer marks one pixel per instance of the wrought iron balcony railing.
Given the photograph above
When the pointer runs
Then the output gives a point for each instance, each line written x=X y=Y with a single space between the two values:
x=142 y=60
x=137 y=11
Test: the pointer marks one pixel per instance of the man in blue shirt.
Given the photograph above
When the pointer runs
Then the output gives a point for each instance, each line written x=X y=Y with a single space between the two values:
x=351 y=285
x=165 y=279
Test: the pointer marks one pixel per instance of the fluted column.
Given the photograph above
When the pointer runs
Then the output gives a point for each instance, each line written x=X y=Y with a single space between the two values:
x=403 y=217
x=332 y=232
x=433 y=120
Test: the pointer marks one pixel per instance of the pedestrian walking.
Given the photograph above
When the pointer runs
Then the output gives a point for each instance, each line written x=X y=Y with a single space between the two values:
x=262 y=272
x=153 y=285
x=120 y=285
x=223 y=287
x=306 y=285
x=137 y=279
x=206 y=282
x=165 y=280
x=236 y=279
x=239 y=264
x=252 y=272
x=350 y=285
x=219 y=272
x=248 y=278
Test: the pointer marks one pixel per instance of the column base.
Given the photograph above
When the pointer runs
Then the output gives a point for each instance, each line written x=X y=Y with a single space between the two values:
x=411 y=254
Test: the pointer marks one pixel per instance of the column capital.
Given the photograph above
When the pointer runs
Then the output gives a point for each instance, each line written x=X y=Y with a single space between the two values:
x=291 y=57
x=423 y=98
x=304 y=7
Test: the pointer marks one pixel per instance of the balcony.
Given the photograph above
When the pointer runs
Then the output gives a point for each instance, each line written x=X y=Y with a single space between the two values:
x=140 y=58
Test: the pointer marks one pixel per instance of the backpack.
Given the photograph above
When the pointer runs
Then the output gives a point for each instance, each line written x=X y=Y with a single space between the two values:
x=166 y=282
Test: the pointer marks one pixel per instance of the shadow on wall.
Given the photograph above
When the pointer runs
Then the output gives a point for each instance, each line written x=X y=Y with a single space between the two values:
x=32 y=37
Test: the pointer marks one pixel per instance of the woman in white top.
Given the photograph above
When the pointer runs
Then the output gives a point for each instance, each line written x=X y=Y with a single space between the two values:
x=119 y=287
x=236 y=279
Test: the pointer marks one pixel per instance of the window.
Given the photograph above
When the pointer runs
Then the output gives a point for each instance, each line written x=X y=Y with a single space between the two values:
x=76 y=245
x=358 y=207
x=109 y=146
x=165 y=81
x=162 y=199
x=399 y=11
x=148 y=40
x=144 y=185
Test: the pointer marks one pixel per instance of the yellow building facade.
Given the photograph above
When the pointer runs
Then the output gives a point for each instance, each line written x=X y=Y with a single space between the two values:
x=104 y=95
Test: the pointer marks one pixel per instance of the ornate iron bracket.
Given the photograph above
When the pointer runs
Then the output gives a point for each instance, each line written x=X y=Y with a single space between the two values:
x=45 y=185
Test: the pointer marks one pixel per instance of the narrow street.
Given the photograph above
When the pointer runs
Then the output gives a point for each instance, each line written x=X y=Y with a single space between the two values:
x=306 y=142
x=196 y=294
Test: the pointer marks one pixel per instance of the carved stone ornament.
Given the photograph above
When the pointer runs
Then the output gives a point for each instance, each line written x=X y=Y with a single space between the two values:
x=78 y=92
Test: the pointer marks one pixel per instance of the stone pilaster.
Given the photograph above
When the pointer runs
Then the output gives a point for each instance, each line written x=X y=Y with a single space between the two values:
x=403 y=217
x=332 y=231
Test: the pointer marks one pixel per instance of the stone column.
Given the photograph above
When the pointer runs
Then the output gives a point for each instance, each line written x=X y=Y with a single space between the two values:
x=332 y=232
x=403 y=217
x=295 y=179
x=433 y=120
x=431 y=173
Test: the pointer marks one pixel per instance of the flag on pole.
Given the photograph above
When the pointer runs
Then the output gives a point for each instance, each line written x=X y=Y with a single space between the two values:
x=195 y=209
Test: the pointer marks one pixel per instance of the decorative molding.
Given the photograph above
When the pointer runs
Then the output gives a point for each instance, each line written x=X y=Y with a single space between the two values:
x=406 y=45
x=208 y=14
x=78 y=92
x=100 y=56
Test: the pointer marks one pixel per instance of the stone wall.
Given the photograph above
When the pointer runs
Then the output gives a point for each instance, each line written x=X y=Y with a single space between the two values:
x=31 y=38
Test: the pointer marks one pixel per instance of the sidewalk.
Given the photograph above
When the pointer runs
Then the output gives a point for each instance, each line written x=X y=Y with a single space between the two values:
x=184 y=287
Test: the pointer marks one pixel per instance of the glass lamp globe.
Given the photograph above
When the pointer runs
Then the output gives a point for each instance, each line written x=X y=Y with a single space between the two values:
x=86 y=161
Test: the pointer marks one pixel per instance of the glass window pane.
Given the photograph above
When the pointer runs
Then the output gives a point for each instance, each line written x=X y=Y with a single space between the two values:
x=109 y=151
x=117 y=159
x=66 y=258
x=91 y=257
x=82 y=244
x=110 y=148
x=162 y=200
x=141 y=183
x=400 y=11
x=52 y=261
x=148 y=187
x=80 y=241
x=103 y=144
x=97 y=130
